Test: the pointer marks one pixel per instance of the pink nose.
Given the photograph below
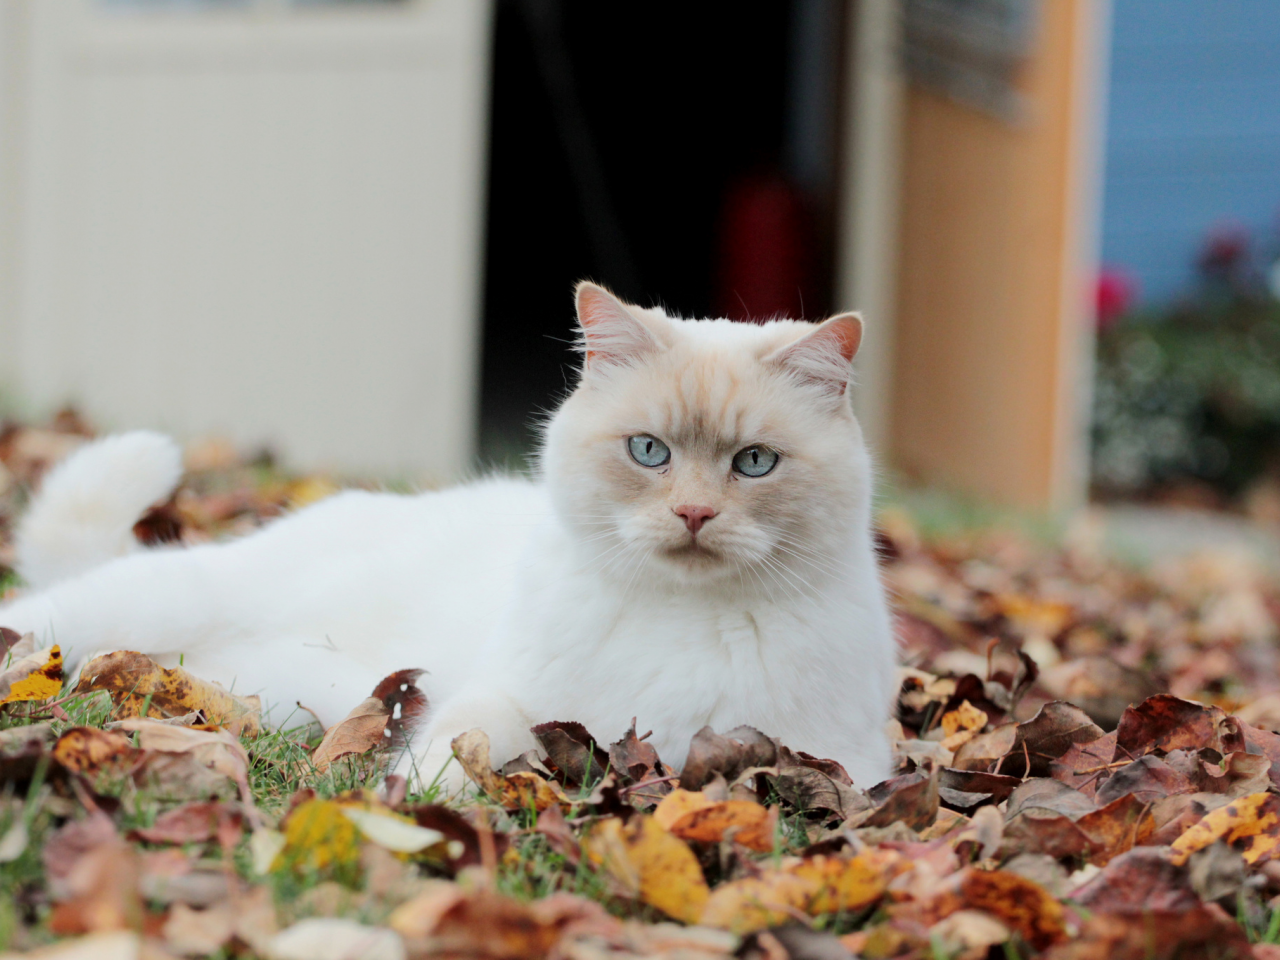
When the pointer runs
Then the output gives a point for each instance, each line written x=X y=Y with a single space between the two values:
x=694 y=516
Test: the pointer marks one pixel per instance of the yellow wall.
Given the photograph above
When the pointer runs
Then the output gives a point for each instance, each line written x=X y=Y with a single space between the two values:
x=992 y=332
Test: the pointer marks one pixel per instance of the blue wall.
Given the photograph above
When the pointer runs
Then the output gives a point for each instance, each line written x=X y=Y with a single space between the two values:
x=1193 y=134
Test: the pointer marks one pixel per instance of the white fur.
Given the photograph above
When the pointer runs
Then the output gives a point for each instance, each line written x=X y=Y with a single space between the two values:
x=88 y=505
x=574 y=597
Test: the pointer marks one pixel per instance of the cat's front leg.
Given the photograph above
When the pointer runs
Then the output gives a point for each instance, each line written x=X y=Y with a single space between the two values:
x=430 y=758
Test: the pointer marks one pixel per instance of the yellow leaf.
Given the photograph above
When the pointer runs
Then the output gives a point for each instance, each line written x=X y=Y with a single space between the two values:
x=676 y=804
x=650 y=864
x=1251 y=824
x=756 y=903
x=310 y=489
x=961 y=724
x=845 y=884
x=812 y=886
x=319 y=838
x=37 y=677
x=964 y=717
x=136 y=681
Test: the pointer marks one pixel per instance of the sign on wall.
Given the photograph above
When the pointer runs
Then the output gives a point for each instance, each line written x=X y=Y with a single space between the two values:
x=970 y=50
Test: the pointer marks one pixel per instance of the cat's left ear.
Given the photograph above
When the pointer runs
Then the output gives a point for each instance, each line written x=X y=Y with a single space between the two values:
x=614 y=333
x=823 y=356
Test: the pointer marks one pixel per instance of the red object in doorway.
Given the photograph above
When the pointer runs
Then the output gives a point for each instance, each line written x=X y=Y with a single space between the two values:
x=765 y=250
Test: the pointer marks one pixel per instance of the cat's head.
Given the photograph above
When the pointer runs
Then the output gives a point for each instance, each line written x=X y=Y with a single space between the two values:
x=708 y=450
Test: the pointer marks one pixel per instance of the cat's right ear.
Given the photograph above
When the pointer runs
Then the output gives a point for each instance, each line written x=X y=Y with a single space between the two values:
x=612 y=333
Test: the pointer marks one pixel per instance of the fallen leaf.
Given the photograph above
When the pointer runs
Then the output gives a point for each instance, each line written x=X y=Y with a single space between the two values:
x=639 y=760
x=320 y=839
x=756 y=903
x=814 y=785
x=183 y=763
x=968 y=933
x=391 y=831
x=911 y=799
x=518 y=791
x=1023 y=905
x=1143 y=879
x=966 y=789
x=1203 y=931
x=361 y=730
x=728 y=755
x=331 y=938
x=650 y=864
x=101 y=892
x=195 y=822
x=961 y=724
x=446 y=920
x=115 y=945
x=91 y=751
x=678 y=803
x=37 y=676
x=462 y=846
x=813 y=886
x=574 y=751
x=137 y=682
x=746 y=822
x=1251 y=824
x=69 y=844
x=1165 y=722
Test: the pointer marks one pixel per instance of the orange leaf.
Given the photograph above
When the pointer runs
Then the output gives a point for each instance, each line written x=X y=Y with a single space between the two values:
x=748 y=823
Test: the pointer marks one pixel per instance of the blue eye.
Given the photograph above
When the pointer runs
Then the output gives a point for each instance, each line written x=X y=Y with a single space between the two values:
x=755 y=461
x=648 y=451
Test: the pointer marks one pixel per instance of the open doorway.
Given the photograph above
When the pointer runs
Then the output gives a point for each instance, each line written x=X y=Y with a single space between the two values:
x=683 y=155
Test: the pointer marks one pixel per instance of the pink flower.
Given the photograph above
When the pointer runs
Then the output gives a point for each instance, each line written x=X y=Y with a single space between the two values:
x=1115 y=295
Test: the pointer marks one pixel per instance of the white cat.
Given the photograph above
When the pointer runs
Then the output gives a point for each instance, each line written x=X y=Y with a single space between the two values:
x=696 y=550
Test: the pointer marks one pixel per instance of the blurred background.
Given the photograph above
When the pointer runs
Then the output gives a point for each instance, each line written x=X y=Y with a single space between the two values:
x=349 y=231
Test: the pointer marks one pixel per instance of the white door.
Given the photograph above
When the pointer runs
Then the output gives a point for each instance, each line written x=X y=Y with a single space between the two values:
x=258 y=218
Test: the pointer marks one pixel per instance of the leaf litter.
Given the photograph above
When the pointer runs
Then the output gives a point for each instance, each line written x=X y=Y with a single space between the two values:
x=1085 y=766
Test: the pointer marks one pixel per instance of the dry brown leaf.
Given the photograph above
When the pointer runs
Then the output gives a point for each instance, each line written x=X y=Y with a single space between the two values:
x=447 y=920
x=361 y=730
x=728 y=755
x=136 y=681
x=195 y=822
x=102 y=892
x=518 y=791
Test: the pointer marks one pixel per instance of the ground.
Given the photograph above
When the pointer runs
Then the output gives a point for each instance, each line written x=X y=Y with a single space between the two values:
x=1085 y=768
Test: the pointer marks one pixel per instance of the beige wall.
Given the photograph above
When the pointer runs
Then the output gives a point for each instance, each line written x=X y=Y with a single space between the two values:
x=990 y=374
x=264 y=223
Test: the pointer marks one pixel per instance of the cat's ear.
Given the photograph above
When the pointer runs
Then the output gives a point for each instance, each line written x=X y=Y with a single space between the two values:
x=612 y=332
x=823 y=356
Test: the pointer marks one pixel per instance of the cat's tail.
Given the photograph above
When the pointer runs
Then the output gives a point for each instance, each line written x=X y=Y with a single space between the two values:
x=86 y=509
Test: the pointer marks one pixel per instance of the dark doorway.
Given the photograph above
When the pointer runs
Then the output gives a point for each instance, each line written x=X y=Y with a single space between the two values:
x=682 y=154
